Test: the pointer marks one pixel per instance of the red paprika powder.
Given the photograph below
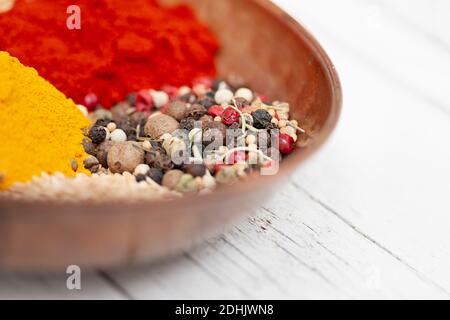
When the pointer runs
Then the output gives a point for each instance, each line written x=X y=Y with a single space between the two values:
x=122 y=46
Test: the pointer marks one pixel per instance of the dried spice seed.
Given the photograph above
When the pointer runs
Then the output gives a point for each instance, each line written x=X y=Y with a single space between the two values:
x=243 y=127
x=102 y=152
x=89 y=147
x=141 y=178
x=91 y=163
x=223 y=96
x=177 y=110
x=131 y=98
x=97 y=134
x=118 y=135
x=172 y=178
x=196 y=170
x=213 y=131
x=187 y=184
x=261 y=119
x=286 y=144
x=102 y=122
x=208 y=101
x=160 y=124
x=111 y=127
x=124 y=157
x=129 y=127
x=158 y=159
x=141 y=169
x=205 y=120
x=74 y=165
x=227 y=175
x=156 y=175
x=216 y=111
x=189 y=98
x=144 y=101
x=245 y=94
x=196 y=111
x=187 y=124
x=230 y=116
x=240 y=102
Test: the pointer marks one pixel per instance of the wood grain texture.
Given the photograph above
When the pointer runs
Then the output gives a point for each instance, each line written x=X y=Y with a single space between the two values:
x=368 y=217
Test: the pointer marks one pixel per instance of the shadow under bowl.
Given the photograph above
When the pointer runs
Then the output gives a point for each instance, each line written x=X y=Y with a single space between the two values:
x=275 y=56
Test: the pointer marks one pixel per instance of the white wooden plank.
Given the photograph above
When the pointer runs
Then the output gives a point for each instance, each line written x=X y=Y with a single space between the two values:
x=53 y=286
x=388 y=169
x=379 y=37
x=429 y=18
x=293 y=249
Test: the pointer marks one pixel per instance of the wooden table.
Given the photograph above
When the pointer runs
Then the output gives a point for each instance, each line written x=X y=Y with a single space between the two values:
x=368 y=217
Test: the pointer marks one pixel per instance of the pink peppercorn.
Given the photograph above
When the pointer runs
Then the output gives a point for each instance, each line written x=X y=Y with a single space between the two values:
x=218 y=166
x=144 y=101
x=216 y=111
x=286 y=143
x=230 y=116
x=171 y=91
x=91 y=101
x=237 y=157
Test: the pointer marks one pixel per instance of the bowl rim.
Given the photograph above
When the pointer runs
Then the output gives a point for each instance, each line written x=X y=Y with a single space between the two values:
x=253 y=182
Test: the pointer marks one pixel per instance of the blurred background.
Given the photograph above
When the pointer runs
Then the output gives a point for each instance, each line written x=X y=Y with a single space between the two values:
x=369 y=216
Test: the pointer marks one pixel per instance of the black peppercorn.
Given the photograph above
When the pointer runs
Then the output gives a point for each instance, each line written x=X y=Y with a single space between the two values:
x=210 y=94
x=129 y=127
x=235 y=137
x=97 y=134
x=196 y=111
x=196 y=170
x=261 y=119
x=205 y=120
x=141 y=177
x=158 y=159
x=187 y=124
x=120 y=112
x=212 y=131
x=189 y=98
x=131 y=98
x=241 y=102
x=207 y=102
x=102 y=122
x=156 y=175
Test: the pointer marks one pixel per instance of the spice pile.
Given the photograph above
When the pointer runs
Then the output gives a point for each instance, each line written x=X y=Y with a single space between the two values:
x=189 y=140
x=39 y=126
x=121 y=46
x=180 y=140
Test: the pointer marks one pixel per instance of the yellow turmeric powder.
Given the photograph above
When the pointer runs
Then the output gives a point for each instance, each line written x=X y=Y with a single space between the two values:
x=40 y=129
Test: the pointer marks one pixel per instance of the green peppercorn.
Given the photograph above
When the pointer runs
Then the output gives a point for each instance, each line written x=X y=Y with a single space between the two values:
x=91 y=163
x=187 y=184
x=89 y=147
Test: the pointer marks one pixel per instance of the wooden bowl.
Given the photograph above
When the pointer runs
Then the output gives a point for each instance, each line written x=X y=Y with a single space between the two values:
x=276 y=56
